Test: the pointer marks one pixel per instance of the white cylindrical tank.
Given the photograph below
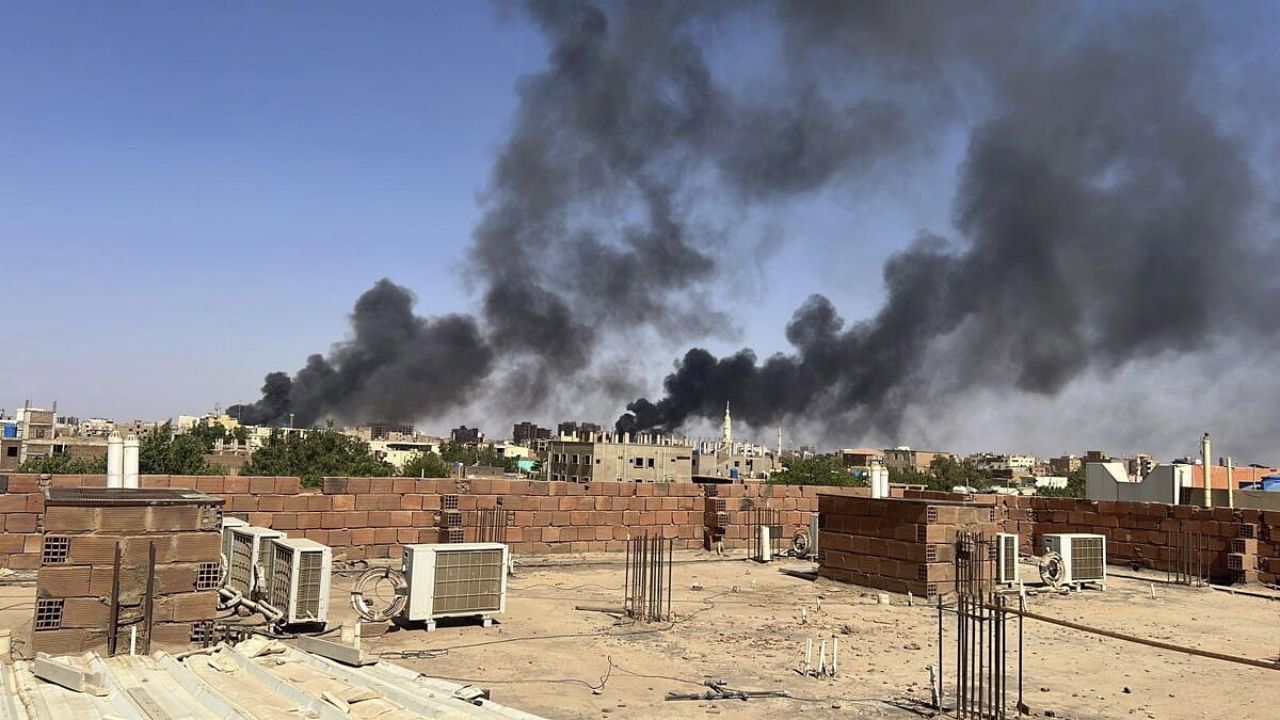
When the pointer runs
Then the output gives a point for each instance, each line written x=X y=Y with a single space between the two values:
x=115 y=460
x=130 y=474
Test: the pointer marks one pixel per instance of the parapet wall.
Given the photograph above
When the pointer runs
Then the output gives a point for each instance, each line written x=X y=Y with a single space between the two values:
x=371 y=517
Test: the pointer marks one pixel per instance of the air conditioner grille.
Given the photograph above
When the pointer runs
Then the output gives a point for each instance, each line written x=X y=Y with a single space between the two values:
x=1010 y=558
x=468 y=581
x=240 y=574
x=281 y=576
x=1086 y=558
x=310 y=574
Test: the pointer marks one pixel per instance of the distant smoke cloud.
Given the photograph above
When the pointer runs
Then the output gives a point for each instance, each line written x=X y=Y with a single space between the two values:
x=1097 y=201
x=395 y=367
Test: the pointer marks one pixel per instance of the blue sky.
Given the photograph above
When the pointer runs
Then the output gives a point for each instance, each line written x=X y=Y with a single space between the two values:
x=192 y=195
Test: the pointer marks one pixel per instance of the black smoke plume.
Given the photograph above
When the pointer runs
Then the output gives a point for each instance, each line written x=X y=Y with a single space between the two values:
x=396 y=366
x=1098 y=200
x=1105 y=217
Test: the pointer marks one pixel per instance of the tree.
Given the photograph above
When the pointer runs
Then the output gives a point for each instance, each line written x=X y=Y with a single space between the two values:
x=209 y=433
x=64 y=465
x=452 y=452
x=161 y=452
x=427 y=465
x=314 y=455
x=825 y=470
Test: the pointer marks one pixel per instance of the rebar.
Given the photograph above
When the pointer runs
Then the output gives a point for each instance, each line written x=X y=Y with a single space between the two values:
x=981 y=640
x=648 y=581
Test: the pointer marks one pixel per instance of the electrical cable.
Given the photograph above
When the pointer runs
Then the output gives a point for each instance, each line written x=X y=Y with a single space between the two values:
x=604 y=679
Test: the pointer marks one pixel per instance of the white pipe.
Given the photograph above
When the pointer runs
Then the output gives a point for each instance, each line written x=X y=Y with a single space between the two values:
x=133 y=639
x=115 y=460
x=130 y=475
x=1231 y=484
x=1206 y=464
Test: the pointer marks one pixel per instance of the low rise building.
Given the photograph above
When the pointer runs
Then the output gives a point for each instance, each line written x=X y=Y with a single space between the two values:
x=904 y=458
x=652 y=459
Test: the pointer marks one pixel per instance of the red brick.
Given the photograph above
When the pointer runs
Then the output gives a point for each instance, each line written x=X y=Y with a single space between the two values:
x=384 y=535
x=358 y=486
x=62 y=518
x=406 y=535
x=320 y=536
x=271 y=503
x=319 y=503
x=262 y=485
x=411 y=502
x=381 y=486
x=340 y=537
x=400 y=518
x=332 y=520
x=20 y=522
x=233 y=485
x=343 y=502
x=296 y=503
x=356 y=519
x=13 y=542
x=284 y=521
x=60 y=582
x=13 y=503
x=25 y=561
x=362 y=536
x=287 y=486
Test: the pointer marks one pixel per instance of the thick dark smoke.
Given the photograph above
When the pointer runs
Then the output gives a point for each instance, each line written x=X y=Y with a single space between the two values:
x=1102 y=214
x=588 y=225
x=1105 y=217
x=395 y=367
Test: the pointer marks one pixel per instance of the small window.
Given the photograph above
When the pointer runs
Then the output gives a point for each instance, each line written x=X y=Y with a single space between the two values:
x=650 y=462
x=11 y=452
x=575 y=459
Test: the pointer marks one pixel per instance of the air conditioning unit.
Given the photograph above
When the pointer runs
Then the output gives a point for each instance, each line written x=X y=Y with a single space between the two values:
x=1084 y=557
x=227 y=524
x=455 y=580
x=248 y=558
x=297 y=580
x=1007 y=558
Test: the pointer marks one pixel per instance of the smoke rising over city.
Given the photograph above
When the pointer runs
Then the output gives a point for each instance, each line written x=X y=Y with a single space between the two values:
x=1099 y=198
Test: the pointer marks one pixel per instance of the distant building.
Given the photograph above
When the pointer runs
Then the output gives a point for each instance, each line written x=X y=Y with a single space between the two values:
x=1140 y=465
x=399 y=452
x=860 y=458
x=578 y=431
x=651 y=458
x=464 y=435
x=528 y=434
x=1065 y=465
x=904 y=458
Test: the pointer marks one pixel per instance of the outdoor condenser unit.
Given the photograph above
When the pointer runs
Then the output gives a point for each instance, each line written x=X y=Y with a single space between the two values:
x=298 y=580
x=227 y=524
x=1084 y=557
x=455 y=580
x=1007 y=558
x=248 y=558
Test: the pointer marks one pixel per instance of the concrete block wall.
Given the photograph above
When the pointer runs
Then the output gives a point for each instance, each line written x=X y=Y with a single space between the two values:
x=900 y=545
x=75 y=577
x=728 y=509
x=372 y=517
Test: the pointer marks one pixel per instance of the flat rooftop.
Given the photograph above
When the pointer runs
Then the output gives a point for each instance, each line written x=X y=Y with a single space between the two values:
x=747 y=625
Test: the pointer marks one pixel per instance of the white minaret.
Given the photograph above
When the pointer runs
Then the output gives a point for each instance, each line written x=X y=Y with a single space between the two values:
x=115 y=459
x=726 y=437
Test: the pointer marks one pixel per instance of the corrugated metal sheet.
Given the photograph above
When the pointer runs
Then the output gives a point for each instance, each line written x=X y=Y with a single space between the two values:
x=227 y=684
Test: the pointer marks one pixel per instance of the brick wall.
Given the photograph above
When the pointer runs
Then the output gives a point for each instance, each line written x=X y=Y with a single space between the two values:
x=372 y=517
x=897 y=544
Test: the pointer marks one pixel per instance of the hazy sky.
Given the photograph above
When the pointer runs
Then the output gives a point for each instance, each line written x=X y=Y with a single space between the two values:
x=192 y=195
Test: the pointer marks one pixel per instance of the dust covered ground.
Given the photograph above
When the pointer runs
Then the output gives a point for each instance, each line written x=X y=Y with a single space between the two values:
x=748 y=622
